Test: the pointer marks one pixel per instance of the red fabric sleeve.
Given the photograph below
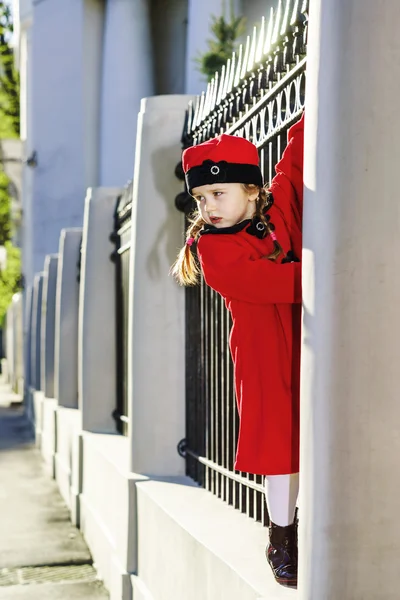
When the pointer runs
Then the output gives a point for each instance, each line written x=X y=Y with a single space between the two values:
x=229 y=270
x=287 y=185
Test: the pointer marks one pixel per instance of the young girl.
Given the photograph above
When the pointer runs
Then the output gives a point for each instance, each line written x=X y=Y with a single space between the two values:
x=249 y=244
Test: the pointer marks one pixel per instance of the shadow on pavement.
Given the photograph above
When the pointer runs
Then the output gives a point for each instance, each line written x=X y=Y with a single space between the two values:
x=15 y=428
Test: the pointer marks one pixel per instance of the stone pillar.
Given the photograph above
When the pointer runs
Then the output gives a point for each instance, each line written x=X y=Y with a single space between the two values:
x=10 y=343
x=96 y=329
x=156 y=336
x=349 y=526
x=27 y=336
x=127 y=77
x=48 y=324
x=66 y=326
x=36 y=328
x=169 y=40
x=92 y=54
x=28 y=323
x=18 y=343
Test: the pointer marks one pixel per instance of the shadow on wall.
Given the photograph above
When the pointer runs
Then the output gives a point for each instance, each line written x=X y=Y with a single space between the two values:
x=168 y=223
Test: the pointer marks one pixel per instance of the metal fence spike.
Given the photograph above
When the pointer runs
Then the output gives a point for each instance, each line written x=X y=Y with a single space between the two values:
x=238 y=66
x=207 y=100
x=196 y=113
x=253 y=47
x=296 y=12
x=190 y=115
x=227 y=77
x=278 y=20
x=221 y=84
x=286 y=18
x=201 y=107
x=260 y=44
x=232 y=72
x=245 y=58
x=215 y=90
x=270 y=28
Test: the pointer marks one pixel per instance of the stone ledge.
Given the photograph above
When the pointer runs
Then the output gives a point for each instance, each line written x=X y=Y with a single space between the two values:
x=214 y=551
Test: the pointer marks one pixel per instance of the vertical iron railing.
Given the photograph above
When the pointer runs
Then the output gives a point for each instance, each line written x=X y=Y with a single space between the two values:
x=121 y=236
x=258 y=95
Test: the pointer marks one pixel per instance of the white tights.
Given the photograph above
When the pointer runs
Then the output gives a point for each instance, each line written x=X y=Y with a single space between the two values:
x=281 y=493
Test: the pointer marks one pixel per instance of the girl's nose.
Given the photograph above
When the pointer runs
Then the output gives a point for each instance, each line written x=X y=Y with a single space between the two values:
x=209 y=206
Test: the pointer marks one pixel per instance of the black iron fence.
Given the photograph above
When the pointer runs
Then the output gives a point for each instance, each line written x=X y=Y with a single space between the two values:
x=258 y=95
x=121 y=236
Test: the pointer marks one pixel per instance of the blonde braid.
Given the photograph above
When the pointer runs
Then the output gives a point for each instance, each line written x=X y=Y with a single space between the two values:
x=263 y=202
x=186 y=269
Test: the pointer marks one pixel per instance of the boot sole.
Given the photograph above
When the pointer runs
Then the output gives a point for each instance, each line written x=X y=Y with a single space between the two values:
x=286 y=582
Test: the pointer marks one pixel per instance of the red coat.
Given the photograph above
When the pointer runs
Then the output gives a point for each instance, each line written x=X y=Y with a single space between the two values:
x=264 y=298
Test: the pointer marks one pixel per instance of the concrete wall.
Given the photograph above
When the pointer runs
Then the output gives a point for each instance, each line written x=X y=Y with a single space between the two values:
x=18 y=343
x=350 y=477
x=48 y=324
x=156 y=336
x=36 y=331
x=96 y=333
x=68 y=460
x=66 y=320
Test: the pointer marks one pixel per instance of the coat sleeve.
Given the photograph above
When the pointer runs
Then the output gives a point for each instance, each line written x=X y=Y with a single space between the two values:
x=229 y=270
x=287 y=185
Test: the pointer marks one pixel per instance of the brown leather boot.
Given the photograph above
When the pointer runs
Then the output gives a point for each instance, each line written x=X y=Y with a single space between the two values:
x=281 y=553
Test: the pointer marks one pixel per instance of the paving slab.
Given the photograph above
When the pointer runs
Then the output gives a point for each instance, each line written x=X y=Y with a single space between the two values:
x=35 y=525
x=50 y=591
x=36 y=528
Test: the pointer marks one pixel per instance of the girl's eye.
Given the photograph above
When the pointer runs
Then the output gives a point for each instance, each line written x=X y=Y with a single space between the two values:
x=217 y=193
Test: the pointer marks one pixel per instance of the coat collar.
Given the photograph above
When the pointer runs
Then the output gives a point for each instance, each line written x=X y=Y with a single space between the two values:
x=252 y=226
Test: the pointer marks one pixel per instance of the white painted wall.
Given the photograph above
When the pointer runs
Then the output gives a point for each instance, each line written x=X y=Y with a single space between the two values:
x=255 y=10
x=127 y=76
x=57 y=124
x=60 y=109
x=350 y=445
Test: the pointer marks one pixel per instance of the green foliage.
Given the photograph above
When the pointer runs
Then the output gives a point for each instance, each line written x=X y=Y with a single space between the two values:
x=5 y=207
x=9 y=78
x=226 y=34
x=10 y=278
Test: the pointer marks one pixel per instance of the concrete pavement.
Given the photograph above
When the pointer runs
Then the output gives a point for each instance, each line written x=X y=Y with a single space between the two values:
x=42 y=555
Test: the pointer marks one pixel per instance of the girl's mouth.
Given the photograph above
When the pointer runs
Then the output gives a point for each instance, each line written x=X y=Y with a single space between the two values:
x=215 y=220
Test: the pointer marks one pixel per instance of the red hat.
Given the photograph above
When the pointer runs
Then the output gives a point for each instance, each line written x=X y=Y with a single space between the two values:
x=224 y=159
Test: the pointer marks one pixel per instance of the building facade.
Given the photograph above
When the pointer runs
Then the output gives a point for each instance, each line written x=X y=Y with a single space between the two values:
x=85 y=65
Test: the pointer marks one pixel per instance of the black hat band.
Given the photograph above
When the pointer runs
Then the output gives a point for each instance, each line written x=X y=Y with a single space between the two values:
x=222 y=172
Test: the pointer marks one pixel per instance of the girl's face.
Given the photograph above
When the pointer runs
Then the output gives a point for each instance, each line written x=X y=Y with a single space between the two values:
x=225 y=204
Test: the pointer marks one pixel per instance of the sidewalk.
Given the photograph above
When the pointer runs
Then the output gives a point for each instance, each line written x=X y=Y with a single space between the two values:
x=42 y=555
